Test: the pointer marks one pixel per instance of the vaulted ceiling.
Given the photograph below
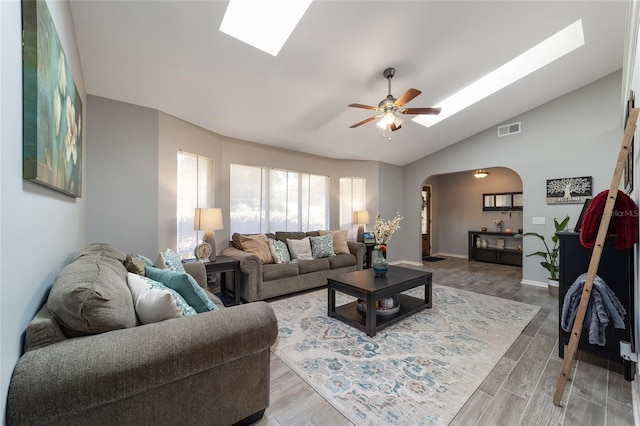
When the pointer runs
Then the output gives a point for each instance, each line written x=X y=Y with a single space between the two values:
x=170 y=56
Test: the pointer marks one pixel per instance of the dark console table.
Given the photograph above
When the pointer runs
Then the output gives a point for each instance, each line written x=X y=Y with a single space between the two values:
x=616 y=269
x=508 y=254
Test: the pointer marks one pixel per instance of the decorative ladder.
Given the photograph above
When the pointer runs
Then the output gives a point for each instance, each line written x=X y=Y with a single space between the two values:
x=595 y=256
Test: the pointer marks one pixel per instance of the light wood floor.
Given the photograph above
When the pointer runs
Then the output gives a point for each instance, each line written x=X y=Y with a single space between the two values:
x=519 y=390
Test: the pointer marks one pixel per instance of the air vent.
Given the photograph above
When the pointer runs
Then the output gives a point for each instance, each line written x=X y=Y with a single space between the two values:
x=509 y=129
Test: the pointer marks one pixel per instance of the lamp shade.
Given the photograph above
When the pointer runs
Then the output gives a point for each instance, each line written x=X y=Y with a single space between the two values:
x=207 y=219
x=361 y=217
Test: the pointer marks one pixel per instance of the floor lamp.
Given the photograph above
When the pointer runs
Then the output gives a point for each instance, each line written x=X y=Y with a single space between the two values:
x=361 y=218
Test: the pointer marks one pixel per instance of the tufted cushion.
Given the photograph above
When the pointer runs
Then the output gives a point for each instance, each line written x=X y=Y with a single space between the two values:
x=258 y=245
x=91 y=296
x=276 y=271
x=322 y=246
x=315 y=265
x=339 y=241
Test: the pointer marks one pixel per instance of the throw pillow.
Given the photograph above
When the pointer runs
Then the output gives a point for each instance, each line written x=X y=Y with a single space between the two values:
x=135 y=264
x=155 y=302
x=258 y=245
x=279 y=251
x=169 y=260
x=300 y=249
x=339 y=241
x=185 y=285
x=322 y=246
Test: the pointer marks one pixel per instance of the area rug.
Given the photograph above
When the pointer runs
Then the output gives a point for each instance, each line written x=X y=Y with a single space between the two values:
x=432 y=258
x=419 y=371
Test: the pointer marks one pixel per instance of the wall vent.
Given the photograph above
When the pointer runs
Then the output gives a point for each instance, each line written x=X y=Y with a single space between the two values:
x=509 y=129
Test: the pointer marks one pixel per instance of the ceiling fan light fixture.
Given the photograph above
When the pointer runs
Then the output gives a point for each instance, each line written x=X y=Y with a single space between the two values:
x=386 y=120
x=481 y=174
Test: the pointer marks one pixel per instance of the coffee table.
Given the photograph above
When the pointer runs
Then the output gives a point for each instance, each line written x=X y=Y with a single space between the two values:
x=367 y=286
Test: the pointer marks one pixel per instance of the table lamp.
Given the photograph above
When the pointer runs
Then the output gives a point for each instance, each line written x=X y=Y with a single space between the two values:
x=207 y=220
x=361 y=218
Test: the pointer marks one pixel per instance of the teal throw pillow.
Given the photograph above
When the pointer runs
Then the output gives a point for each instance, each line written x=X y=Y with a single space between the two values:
x=322 y=246
x=279 y=251
x=185 y=285
x=172 y=261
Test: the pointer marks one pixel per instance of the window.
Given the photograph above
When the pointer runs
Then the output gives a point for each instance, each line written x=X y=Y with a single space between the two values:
x=195 y=189
x=268 y=200
x=352 y=199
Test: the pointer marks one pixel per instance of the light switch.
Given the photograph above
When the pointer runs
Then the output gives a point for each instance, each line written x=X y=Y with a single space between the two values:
x=537 y=220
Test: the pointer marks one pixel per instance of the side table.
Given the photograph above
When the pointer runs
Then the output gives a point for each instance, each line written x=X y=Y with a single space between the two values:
x=225 y=265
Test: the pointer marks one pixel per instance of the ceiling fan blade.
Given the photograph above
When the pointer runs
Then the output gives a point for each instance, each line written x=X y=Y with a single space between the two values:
x=364 y=121
x=432 y=111
x=407 y=96
x=363 y=106
x=394 y=127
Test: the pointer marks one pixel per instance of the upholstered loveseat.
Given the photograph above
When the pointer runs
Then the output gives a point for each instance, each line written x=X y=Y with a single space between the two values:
x=88 y=361
x=264 y=278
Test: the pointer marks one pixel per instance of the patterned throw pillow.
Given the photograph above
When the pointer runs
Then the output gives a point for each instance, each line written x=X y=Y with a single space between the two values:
x=339 y=241
x=185 y=285
x=279 y=251
x=300 y=249
x=155 y=302
x=322 y=246
x=168 y=260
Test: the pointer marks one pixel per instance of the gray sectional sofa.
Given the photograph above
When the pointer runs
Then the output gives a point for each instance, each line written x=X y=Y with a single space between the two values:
x=92 y=363
x=262 y=281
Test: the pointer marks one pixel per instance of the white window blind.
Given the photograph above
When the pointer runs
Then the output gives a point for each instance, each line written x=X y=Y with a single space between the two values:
x=195 y=189
x=352 y=199
x=269 y=200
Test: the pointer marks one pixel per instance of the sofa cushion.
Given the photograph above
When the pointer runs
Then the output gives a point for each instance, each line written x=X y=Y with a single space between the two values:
x=322 y=246
x=284 y=236
x=279 y=251
x=154 y=302
x=276 y=271
x=339 y=241
x=342 y=260
x=300 y=249
x=315 y=265
x=258 y=245
x=91 y=296
x=184 y=284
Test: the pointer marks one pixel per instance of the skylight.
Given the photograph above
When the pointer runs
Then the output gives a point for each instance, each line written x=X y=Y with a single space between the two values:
x=547 y=51
x=263 y=24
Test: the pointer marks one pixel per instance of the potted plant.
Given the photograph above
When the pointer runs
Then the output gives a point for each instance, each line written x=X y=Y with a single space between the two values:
x=550 y=255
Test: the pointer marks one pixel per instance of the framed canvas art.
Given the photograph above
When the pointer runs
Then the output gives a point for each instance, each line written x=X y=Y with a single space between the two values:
x=52 y=108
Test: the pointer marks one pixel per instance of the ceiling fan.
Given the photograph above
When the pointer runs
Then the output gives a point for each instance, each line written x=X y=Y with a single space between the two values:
x=388 y=107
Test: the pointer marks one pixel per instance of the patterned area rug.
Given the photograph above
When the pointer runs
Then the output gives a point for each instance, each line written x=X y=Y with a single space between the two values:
x=419 y=371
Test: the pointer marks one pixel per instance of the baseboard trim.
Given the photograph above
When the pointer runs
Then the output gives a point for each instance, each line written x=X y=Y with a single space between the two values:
x=459 y=256
x=408 y=262
x=534 y=283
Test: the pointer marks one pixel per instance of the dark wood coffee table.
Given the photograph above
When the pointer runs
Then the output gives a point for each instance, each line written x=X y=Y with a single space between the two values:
x=370 y=288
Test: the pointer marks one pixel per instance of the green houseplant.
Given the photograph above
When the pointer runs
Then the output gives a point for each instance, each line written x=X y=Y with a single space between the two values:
x=550 y=255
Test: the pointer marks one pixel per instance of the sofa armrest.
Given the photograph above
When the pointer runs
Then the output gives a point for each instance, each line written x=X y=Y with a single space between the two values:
x=251 y=268
x=198 y=271
x=358 y=250
x=82 y=373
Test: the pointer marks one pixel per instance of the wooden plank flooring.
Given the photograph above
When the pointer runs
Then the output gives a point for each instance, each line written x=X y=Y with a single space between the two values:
x=519 y=390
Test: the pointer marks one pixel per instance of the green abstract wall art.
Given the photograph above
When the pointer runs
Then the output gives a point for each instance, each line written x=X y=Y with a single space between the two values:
x=52 y=108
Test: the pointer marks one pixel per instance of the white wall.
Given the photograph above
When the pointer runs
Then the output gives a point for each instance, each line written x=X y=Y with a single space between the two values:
x=41 y=229
x=578 y=134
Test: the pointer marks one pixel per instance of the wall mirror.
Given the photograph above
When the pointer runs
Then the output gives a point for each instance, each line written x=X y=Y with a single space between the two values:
x=502 y=201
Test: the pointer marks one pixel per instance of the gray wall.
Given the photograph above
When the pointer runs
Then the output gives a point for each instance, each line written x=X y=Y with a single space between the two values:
x=578 y=134
x=458 y=209
x=41 y=230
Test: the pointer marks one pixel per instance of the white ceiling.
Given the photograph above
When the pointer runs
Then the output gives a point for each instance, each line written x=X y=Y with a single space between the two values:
x=170 y=56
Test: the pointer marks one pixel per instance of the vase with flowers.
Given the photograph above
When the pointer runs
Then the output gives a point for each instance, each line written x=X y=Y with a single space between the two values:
x=382 y=232
x=499 y=224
